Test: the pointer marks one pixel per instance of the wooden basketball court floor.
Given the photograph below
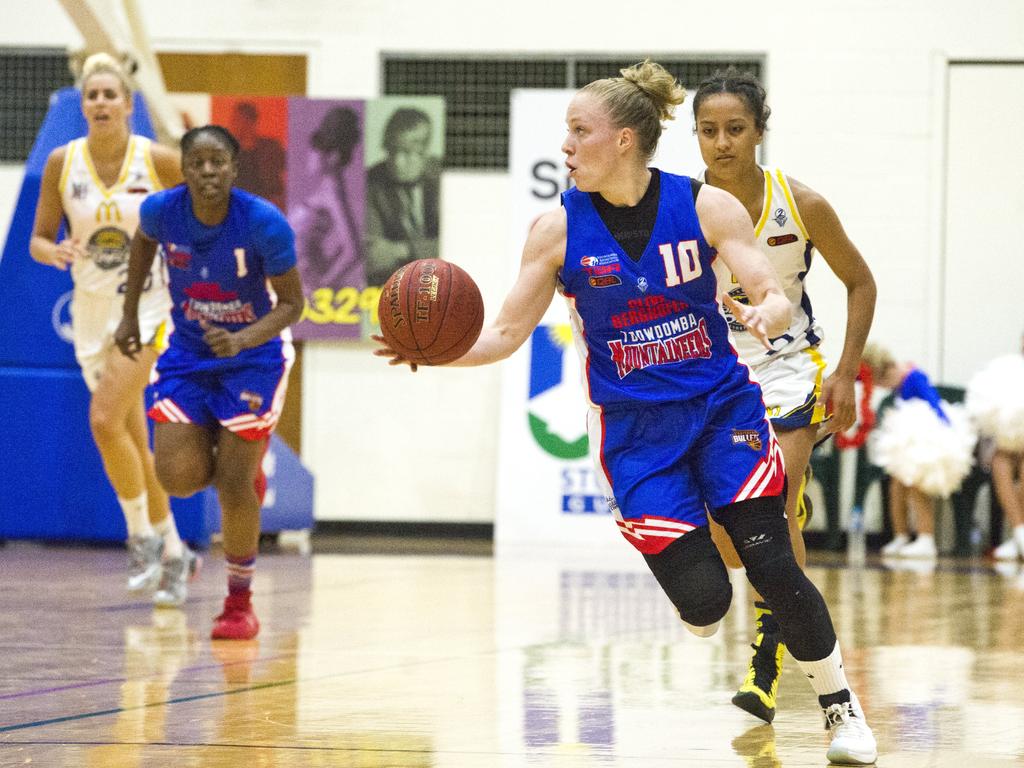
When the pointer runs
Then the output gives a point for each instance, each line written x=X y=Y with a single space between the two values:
x=562 y=660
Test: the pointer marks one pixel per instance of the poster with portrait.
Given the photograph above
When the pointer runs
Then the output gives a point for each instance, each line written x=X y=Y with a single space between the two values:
x=327 y=210
x=260 y=123
x=404 y=156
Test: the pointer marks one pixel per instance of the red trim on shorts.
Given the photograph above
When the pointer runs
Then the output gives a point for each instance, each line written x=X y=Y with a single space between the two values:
x=768 y=478
x=166 y=411
x=651 y=535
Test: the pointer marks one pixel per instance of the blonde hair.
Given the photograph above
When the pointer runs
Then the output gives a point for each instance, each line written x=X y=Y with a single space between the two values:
x=642 y=99
x=105 y=64
x=877 y=358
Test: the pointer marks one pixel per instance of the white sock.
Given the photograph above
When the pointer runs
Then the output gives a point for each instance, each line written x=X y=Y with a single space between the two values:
x=926 y=538
x=1018 y=536
x=707 y=631
x=827 y=675
x=168 y=531
x=136 y=515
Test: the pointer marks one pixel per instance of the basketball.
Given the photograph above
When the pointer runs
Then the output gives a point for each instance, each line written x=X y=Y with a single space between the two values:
x=430 y=312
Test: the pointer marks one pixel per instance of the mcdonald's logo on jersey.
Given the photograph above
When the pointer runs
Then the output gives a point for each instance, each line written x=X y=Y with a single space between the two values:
x=108 y=210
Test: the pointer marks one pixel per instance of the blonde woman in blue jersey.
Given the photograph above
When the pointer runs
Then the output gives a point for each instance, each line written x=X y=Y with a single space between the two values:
x=96 y=185
x=790 y=221
x=677 y=428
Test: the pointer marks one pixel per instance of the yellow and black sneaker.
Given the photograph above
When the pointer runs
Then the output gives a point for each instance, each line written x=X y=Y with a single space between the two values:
x=804 y=507
x=757 y=694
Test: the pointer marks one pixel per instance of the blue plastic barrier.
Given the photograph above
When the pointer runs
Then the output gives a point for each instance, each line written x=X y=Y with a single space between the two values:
x=52 y=484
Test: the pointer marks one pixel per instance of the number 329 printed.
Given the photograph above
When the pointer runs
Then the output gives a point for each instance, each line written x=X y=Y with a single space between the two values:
x=344 y=306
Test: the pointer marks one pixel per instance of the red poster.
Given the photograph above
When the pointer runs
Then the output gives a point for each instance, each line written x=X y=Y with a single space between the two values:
x=260 y=123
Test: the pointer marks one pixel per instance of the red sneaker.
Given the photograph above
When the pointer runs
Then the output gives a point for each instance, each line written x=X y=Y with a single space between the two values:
x=238 y=621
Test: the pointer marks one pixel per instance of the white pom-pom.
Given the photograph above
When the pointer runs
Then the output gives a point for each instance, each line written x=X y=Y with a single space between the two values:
x=995 y=400
x=921 y=450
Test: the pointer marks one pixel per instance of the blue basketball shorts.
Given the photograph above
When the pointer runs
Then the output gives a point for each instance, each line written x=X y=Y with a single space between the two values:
x=244 y=394
x=663 y=465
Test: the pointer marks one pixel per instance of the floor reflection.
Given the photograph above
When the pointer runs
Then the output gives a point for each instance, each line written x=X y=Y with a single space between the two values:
x=562 y=660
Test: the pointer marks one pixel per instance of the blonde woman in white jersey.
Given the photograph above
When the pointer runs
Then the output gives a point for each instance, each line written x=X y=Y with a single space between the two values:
x=791 y=221
x=95 y=186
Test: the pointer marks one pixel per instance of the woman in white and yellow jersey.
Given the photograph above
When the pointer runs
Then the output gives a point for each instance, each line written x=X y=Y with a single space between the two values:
x=95 y=186
x=791 y=221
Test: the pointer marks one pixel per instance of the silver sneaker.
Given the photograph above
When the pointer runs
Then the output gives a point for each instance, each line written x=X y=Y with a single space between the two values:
x=852 y=740
x=144 y=562
x=175 y=576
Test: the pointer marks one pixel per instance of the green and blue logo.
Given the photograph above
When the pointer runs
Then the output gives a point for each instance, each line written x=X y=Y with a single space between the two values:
x=553 y=408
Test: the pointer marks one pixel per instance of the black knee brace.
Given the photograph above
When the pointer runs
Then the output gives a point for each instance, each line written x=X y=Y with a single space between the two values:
x=693 y=576
x=760 y=533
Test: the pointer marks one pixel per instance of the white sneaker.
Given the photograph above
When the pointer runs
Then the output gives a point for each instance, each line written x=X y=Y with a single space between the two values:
x=852 y=740
x=922 y=546
x=899 y=541
x=144 y=562
x=1006 y=551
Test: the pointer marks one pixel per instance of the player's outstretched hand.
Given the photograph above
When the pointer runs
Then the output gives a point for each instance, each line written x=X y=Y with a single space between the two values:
x=223 y=342
x=126 y=337
x=750 y=316
x=394 y=357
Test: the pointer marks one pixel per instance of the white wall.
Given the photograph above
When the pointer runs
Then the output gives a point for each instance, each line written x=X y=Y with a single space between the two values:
x=858 y=98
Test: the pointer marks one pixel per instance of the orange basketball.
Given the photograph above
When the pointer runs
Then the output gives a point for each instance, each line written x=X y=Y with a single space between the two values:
x=430 y=312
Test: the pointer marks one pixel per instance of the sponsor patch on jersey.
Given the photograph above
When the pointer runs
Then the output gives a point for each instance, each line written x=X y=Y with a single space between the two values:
x=780 y=216
x=605 y=281
x=108 y=247
x=210 y=302
x=747 y=437
x=648 y=310
x=782 y=239
x=177 y=257
x=683 y=338
x=253 y=400
x=599 y=261
x=641 y=284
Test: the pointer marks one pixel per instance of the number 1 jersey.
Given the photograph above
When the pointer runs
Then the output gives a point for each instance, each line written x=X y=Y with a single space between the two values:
x=219 y=274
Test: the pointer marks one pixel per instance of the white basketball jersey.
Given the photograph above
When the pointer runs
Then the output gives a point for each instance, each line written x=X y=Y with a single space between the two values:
x=103 y=219
x=783 y=239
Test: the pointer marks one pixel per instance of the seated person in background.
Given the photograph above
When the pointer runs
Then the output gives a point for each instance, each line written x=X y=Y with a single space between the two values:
x=995 y=400
x=402 y=197
x=924 y=444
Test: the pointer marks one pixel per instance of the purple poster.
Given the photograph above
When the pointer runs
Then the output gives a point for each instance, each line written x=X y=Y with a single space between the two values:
x=327 y=209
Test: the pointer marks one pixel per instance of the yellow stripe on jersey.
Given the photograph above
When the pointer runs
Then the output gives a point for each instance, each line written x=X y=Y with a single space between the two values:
x=819 y=406
x=122 y=175
x=66 y=170
x=160 y=338
x=767 y=204
x=792 y=204
x=147 y=153
x=127 y=165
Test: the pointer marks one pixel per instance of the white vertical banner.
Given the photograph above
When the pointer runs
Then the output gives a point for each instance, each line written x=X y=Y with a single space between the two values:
x=546 y=490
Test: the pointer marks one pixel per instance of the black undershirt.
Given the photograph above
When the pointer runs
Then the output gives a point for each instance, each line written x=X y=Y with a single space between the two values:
x=631 y=225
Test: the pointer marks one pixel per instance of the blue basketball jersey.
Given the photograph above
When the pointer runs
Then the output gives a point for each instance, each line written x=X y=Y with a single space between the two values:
x=219 y=273
x=647 y=330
